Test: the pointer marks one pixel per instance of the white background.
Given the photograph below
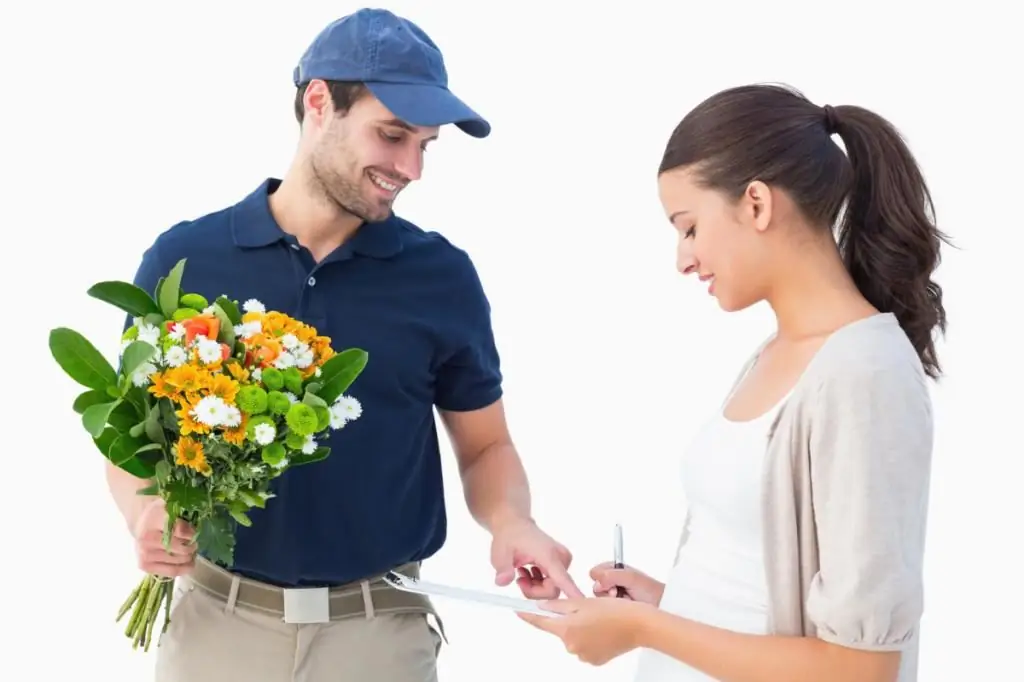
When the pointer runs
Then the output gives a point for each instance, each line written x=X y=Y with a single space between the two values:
x=119 y=120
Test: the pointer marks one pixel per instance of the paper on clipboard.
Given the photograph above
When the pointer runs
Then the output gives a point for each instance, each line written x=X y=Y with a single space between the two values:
x=409 y=584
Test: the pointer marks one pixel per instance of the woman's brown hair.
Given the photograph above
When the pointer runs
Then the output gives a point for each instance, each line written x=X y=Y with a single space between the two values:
x=874 y=195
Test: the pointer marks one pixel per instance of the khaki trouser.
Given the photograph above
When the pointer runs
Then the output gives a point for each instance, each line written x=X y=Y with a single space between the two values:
x=225 y=628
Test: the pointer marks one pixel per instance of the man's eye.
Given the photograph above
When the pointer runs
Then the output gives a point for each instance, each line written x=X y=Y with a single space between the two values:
x=390 y=138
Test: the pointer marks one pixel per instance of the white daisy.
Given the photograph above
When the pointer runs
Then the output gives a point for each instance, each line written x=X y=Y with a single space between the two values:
x=175 y=356
x=149 y=333
x=303 y=358
x=309 y=447
x=209 y=351
x=349 y=406
x=253 y=306
x=284 y=361
x=233 y=417
x=211 y=410
x=140 y=377
x=177 y=332
x=292 y=398
x=264 y=433
x=337 y=417
x=290 y=341
x=257 y=374
x=248 y=329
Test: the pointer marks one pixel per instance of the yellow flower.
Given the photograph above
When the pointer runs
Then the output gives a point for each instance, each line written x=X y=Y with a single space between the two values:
x=189 y=453
x=188 y=424
x=236 y=436
x=188 y=381
x=161 y=388
x=224 y=387
x=240 y=373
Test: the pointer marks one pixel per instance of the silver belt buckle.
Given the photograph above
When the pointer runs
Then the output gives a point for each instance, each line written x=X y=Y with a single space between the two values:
x=303 y=605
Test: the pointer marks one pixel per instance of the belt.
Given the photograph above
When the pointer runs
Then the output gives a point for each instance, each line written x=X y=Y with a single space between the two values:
x=363 y=598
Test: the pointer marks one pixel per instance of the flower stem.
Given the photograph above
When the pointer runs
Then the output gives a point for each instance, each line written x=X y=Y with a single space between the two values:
x=145 y=603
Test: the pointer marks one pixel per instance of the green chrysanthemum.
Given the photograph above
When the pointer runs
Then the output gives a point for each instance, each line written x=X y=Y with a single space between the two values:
x=278 y=403
x=302 y=419
x=252 y=399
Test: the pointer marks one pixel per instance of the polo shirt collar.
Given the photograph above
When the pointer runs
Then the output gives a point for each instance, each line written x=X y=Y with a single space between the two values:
x=253 y=226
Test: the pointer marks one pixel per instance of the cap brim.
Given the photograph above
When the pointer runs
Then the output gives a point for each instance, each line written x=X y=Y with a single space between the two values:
x=429 y=105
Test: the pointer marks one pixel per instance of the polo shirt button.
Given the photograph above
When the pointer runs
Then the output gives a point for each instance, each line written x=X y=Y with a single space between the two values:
x=295 y=247
x=312 y=281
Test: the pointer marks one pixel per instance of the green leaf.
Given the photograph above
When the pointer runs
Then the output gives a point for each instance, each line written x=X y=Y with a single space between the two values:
x=230 y=309
x=95 y=417
x=137 y=429
x=105 y=440
x=227 y=330
x=186 y=496
x=138 y=468
x=133 y=466
x=152 y=426
x=128 y=297
x=80 y=360
x=87 y=399
x=251 y=499
x=168 y=418
x=241 y=517
x=135 y=355
x=155 y=319
x=319 y=454
x=123 y=448
x=149 y=447
x=338 y=373
x=314 y=400
x=123 y=417
x=215 y=539
x=162 y=471
x=169 y=292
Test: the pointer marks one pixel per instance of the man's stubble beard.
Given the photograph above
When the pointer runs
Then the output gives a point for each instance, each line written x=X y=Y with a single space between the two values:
x=345 y=194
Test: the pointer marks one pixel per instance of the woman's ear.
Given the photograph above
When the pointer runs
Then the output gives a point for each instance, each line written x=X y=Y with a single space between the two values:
x=756 y=205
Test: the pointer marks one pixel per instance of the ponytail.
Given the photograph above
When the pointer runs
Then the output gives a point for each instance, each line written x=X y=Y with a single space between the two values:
x=874 y=193
x=887 y=234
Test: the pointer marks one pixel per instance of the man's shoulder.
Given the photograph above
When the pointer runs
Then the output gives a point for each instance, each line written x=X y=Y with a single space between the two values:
x=432 y=244
x=187 y=236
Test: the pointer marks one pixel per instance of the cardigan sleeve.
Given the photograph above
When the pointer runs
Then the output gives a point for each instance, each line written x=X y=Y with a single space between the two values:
x=870 y=459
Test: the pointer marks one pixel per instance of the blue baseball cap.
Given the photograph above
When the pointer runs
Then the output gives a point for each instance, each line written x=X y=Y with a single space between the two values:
x=398 y=63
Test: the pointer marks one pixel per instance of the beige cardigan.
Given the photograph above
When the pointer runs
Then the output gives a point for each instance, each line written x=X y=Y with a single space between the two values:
x=847 y=470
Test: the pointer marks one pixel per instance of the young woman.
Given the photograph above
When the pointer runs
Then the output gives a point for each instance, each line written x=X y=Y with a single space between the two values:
x=801 y=558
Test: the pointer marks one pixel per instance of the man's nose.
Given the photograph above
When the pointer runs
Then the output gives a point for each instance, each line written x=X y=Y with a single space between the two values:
x=410 y=165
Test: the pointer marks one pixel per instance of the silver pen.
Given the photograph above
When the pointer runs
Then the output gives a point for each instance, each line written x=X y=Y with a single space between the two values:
x=618 y=559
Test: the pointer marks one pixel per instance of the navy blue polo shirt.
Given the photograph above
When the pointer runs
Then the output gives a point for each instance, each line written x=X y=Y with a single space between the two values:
x=414 y=302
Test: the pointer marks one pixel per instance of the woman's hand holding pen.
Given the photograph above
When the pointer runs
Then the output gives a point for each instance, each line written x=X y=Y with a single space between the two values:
x=638 y=586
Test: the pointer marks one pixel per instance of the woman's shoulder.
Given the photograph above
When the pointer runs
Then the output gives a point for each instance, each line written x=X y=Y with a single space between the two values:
x=866 y=356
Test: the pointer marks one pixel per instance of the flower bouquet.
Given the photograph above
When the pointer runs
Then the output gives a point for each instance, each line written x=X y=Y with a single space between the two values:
x=210 y=402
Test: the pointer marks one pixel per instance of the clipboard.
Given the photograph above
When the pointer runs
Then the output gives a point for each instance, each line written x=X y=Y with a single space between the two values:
x=519 y=604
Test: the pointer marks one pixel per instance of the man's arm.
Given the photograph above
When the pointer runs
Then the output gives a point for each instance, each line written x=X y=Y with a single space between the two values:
x=493 y=478
x=124 y=489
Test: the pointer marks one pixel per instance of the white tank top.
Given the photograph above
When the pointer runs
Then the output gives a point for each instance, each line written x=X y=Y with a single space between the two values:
x=718 y=577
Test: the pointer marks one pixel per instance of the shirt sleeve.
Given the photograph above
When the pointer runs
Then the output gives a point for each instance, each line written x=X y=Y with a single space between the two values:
x=150 y=270
x=469 y=377
x=871 y=449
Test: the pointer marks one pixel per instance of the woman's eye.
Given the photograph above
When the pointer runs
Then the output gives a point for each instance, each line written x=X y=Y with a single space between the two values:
x=690 y=232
